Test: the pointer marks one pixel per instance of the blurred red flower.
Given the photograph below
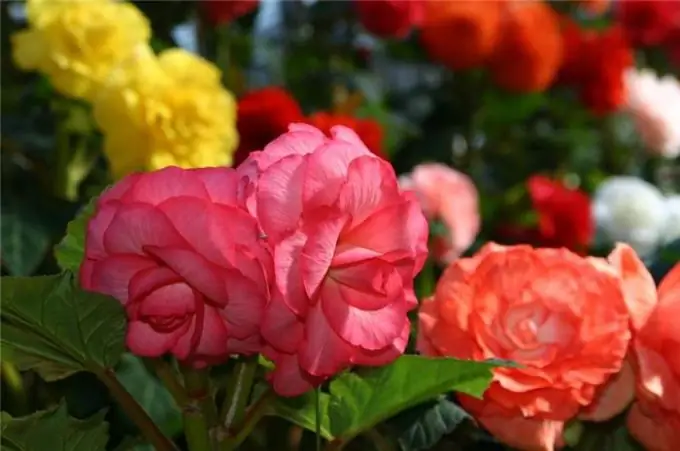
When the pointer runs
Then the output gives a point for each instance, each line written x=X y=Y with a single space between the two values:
x=369 y=130
x=648 y=22
x=390 y=18
x=220 y=12
x=264 y=115
x=529 y=51
x=461 y=34
x=564 y=217
x=594 y=63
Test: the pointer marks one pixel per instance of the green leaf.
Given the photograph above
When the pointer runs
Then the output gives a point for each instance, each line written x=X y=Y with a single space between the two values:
x=361 y=400
x=608 y=436
x=53 y=327
x=301 y=410
x=421 y=427
x=150 y=393
x=24 y=240
x=71 y=249
x=54 y=429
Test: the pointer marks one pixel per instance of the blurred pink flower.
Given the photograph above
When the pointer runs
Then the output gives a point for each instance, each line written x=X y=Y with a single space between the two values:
x=347 y=245
x=451 y=196
x=654 y=105
x=186 y=262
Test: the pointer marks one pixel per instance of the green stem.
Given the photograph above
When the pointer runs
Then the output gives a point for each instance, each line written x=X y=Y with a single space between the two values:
x=317 y=422
x=135 y=412
x=167 y=375
x=252 y=416
x=200 y=414
x=15 y=383
x=239 y=386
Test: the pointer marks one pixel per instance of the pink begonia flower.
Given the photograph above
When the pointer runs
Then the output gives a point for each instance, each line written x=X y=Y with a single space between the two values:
x=654 y=104
x=187 y=263
x=347 y=245
x=450 y=196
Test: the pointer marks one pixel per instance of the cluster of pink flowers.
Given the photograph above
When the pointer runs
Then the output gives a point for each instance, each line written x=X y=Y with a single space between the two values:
x=305 y=253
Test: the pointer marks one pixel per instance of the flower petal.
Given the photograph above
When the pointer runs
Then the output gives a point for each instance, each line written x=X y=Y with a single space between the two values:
x=163 y=184
x=288 y=272
x=281 y=328
x=323 y=353
x=137 y=225
x=113 y=275
x=143 y=340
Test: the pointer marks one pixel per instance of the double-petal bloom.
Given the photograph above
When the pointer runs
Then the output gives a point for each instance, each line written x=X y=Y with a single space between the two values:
x=347 y=244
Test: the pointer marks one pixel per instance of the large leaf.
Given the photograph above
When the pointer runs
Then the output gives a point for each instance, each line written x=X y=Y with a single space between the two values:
x=421 y=427
x=25 y=240
x=50 y=325
x=150 y=393
x=301 y=410
x=71 y=249
x=54 y=429
x=361 y=400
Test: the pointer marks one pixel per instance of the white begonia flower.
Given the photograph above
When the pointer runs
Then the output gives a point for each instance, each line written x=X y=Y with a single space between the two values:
x=654 y=106
x=631 y=210
x=671 y=231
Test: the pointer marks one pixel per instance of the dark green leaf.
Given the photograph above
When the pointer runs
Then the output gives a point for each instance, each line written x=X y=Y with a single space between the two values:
x=71 y=249
x=25 y=240
x=609 y=436
x=54 y=429
x=301 y=410
x=359 y=401
x=150 y=393
x=664 y=260
x=421 y=427
x=53 y=327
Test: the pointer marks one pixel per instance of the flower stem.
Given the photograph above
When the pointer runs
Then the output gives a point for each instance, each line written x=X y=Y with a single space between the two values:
x=252 y=416
x=200 y=413
x=317 y=411
x=135 y=412
x=167 y=375
x=239 y=386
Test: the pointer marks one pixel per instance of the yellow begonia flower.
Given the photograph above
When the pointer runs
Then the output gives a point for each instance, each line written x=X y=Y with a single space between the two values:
x=166 y=110
x=77 y=43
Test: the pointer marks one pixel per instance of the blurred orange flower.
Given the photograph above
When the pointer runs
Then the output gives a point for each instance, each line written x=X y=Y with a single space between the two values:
x=369 y=130
x=529 y=51
x=461 y=34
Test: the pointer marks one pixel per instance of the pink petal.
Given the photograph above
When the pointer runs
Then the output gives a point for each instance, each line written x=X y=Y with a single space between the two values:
x=221 y=184
x=170 y=300
x=184 y=347
x=213 y=335
x=118 y=190
x=288 y=379
x=158 y=186
x=370 y=284
x=195 y=270
x=371 y=185
x=317 y=253
x=281 y=328
x=368 y=329
x=213 y=231
x=323 y=353
x=279 y=196
x=96 y=228
x=348 y=135
x=301 y=139
x=246 y=346
x=137 y=225
x=244 y=310
x=386 y=355
x=288 y=273
x=384 y=231
x=143 y=340
x=148 y=280
x=327 y=172
x=113 y=275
